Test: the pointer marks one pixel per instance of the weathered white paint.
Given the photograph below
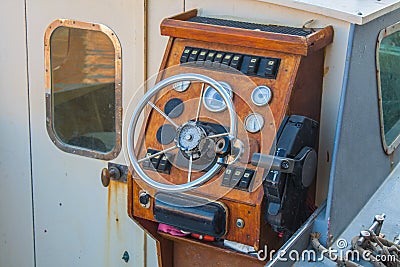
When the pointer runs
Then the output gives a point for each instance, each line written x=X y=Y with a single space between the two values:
x=159 y=10
x=352 y=11
x=76 y=217
x=156 y=43
x=16 y=221
x=266 y=13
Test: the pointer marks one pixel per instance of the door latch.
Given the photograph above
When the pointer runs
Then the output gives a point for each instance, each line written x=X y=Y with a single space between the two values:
x=114 y=172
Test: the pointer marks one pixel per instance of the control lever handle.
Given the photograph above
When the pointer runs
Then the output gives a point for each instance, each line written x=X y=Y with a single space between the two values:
x=304 y=165
x=274 y=163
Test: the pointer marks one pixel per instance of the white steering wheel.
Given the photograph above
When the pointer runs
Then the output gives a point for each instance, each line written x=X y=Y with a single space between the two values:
x=188 y=135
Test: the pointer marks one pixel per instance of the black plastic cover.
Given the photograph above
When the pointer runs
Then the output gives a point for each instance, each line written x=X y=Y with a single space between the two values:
x=192 y=214
x=285 y=193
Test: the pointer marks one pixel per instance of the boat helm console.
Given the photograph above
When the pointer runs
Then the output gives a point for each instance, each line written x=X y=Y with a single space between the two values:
x=224 y=145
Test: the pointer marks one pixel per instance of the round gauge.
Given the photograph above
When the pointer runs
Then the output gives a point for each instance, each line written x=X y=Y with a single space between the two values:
x=254 y=122
x=181 y=86
x=213 y=101
x=261 y=95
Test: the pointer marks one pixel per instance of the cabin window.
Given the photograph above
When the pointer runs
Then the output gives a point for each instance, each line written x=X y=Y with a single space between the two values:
x=83 y=83
x=388 y=64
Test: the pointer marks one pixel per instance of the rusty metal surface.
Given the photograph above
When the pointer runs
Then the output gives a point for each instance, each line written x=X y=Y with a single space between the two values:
x=123 y=171
x=117 y=81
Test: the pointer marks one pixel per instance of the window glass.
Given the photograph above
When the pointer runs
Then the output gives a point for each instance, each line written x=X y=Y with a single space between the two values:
x=83 y=77
x=388 y=57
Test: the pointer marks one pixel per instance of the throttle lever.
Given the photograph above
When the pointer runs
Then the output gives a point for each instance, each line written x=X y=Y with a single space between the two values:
x=304 y=165
x=273 y=163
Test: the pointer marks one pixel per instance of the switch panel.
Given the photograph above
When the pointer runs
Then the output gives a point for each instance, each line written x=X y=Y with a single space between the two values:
x=160 y=163
x=250 y=65
x=238 y=178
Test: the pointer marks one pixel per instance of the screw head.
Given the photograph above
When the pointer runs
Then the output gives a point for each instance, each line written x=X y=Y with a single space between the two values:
x=285 y=165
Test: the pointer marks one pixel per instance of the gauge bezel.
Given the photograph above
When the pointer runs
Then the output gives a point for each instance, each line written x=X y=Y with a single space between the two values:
x=227 y=88
x=261 y=122
x=265 y=102
x=183 y=85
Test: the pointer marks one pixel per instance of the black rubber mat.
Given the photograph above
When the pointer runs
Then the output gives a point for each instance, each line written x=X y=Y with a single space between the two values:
x=252 y=26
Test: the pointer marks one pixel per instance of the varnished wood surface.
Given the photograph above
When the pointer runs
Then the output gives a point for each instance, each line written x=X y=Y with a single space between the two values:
x=296 y=90
x=179 y=27
x=192 y=252
x=239 y=202
x=242 y=87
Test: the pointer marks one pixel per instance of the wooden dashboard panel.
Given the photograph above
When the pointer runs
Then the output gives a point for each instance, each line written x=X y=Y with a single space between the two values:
x=296 y=89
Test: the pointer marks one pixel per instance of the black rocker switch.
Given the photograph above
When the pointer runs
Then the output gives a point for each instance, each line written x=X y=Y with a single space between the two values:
x=194 y=54
x=185 y=54
x=155 y=161
x=237 y=175
x=203 y=55
x=164 y=165
x=246 y=179
x=210 y=56
x=226 y=180
x=147 y=164
x=236 y=62
x=227 y=60
x=253 y=65
x=268 y=67
x=218 y=59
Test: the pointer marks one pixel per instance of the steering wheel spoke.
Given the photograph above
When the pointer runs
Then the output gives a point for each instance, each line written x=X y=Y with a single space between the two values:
x=190 y=168
x=157 y=154
x=217 y=135
x=200 y=101
x=163 y=114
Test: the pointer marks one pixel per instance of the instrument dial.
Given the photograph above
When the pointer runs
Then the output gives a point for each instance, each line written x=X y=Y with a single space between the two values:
x=213 y=101
x=261 y=95
x=181 y=86
x=254 y=122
